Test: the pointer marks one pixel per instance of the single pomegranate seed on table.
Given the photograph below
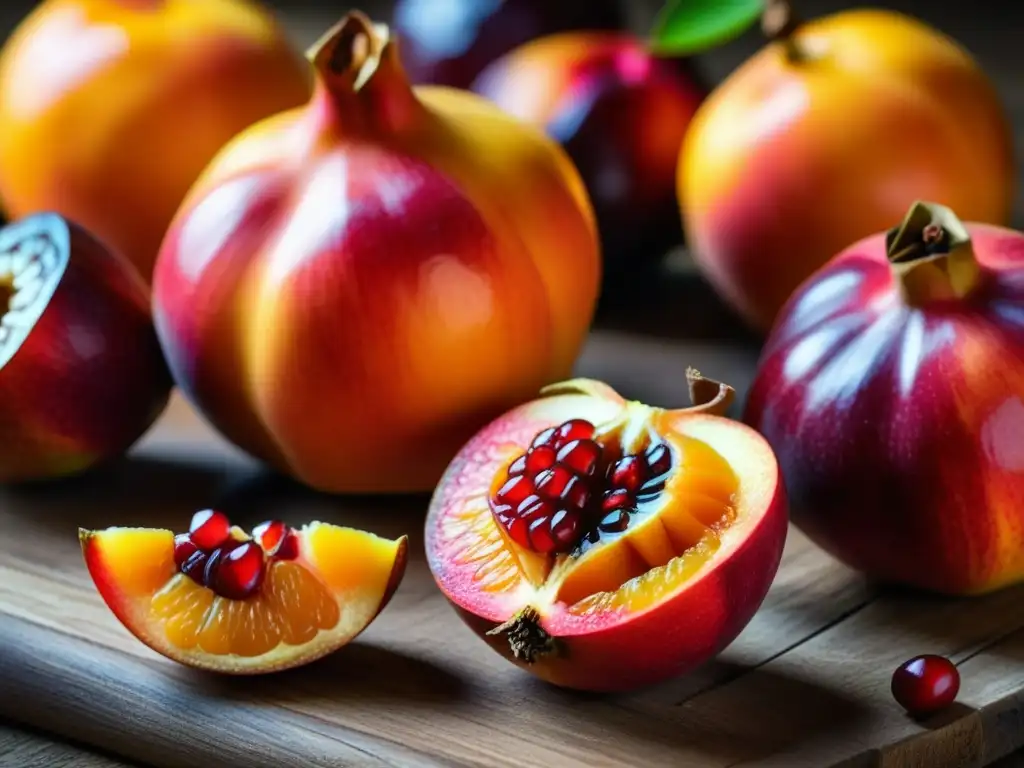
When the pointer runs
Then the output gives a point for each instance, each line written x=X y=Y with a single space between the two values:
x=925 y=684
x=209 y=529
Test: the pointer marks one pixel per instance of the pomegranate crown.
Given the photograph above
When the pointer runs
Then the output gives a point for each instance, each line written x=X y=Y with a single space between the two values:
x=352 y=49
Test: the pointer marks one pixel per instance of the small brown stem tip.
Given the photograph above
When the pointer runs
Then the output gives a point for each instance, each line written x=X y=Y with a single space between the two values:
x=707 y=395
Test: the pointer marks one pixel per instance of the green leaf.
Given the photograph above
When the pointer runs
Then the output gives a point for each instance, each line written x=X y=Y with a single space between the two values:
x=687 y=27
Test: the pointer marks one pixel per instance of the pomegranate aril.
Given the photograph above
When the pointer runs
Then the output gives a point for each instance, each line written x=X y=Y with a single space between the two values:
x=518 y=531
x=614 y=522
x=617 y=499
x=547 y=437
x=565 y=527
x=184 y=548
x=574 y=429
x=517 y=467
x=534 y=507
x=541 y=539
x=650 y=490
x=629 y=472
x=576 y=493
x=553 y=482
x=238 y=573
x=659 y=460
x=515 y=490
x=289 y=548
x=539 y=459
x=269 y=534
x=210 y=572
x=209 y=529
x=581 y=456
x=195 y=566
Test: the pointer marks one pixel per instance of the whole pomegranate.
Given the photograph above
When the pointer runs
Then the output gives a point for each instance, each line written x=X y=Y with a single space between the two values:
x=621 y=113
x=354 y=287
x=839 y=124
x=453 y=44
x=891 y=390
x=110 y=109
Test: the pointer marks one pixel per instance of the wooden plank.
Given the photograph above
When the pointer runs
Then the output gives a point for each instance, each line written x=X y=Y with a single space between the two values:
x=29 y=749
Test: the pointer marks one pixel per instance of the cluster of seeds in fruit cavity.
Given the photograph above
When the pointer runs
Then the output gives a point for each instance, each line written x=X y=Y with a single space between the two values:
x=213 y=557
x=26 y=265
x=565 y=489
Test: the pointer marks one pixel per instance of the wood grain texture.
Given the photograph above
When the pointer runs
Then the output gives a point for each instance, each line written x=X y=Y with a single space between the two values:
x=21 y=748
x=805 y=684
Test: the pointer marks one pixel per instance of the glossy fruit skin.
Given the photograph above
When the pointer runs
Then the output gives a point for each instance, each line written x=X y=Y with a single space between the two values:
x=97 y=95
x=925 y=684
x=898 y=428
x=458 y=275
x=616 y=652
x=621 y=113
x=787 y=164
x=89 y=379
x=452 y=47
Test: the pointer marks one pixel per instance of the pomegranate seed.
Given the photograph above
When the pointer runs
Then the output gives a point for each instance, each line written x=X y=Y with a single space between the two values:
x=238 y=573
x=517 y=467
x=289 y=548
x=184 y=548
x=581 y=456
x=925 y=684
x=576 y=493
x=553 y=482
x=659 y=459
x=565 y=526
x=518 y=531
x=628 y=473
x=534 y=506
x=209 y=529
x=547 y=437
x=210 y=572
x=614 y=522
x=539 y=459
x=195 y=566
x=650 y=490
x=270 y=534
x=574 y=429
x=617 y=499
x=541 y=539
x=515 y=490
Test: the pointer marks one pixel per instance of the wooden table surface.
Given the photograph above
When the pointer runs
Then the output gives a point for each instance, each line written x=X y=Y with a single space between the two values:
x=678 y=328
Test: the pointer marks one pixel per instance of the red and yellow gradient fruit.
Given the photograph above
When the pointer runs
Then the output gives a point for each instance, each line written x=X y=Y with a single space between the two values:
x=891 y=392
x=621 y=113
x=451 y=45
x=215 y=598
x=110 y=109
x=648 y=558
x=827 y=136
x=82 y=376
x=354 y=287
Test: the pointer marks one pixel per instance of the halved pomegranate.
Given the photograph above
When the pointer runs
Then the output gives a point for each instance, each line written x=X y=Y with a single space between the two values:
x=606 y=544
x=215 y=598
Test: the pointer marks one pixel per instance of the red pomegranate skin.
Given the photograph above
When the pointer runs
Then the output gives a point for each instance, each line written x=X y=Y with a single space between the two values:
x=900 y=429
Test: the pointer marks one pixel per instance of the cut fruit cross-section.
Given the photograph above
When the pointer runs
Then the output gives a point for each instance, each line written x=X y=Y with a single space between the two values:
x=215 y=598
x=606 y=544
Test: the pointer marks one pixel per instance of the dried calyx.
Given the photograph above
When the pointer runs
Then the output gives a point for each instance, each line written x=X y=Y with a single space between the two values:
x=931 y=255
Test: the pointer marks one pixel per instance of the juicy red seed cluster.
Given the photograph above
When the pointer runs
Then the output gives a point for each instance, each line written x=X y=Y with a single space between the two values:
x=209 y=555
x=552 y=496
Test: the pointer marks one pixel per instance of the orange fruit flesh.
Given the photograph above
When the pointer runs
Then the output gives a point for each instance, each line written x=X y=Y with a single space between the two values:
x=303 y=609
x=667 y=542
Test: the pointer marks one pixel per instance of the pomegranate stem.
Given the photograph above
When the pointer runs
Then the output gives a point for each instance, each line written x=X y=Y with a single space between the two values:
x=707 y=395
x=526 y=637
x=779 y=24
x=931 y=255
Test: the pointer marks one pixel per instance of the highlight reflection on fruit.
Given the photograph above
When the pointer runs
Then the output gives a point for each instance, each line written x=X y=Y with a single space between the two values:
x=827 y=136
x=452 y=45
x=891 y=392
x=621 y=113
x=605 y=544
x=216 y=598
x=110 y=109
x=82 y=376
x=354 y=287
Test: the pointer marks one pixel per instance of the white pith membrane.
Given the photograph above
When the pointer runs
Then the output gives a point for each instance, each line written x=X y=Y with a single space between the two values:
x=668 y=543
x=33 y=256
